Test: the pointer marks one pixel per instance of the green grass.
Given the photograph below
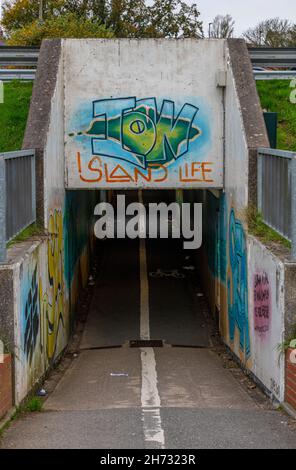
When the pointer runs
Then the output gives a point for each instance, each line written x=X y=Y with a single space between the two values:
x=262 y=231
x=275 y=97
x=34 y=404
x=28 y=232
x=13 y=114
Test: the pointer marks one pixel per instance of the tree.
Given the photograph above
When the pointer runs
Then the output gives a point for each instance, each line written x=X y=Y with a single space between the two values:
x=19 y=13
x=126 y=18
x=222 y=27
x=292 y=37
x=174 y=18
x=273 y=32
x=68 y=25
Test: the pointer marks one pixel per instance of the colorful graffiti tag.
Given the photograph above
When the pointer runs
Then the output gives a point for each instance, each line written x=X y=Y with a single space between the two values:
x=31 y=317
x=143 y=142
x=136 y=132
x=262 y=303
x=237 y=285
x=52 y=297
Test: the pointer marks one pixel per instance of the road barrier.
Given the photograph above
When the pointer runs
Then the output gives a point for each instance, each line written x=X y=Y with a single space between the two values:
x=260 y=57
x=273 y=57
x=277 y=191
x=17 y=195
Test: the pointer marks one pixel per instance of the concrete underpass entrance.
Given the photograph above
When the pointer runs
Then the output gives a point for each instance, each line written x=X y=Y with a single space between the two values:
x=150 y=119
x=177 y=391
x=146 y=291
x=180 y=391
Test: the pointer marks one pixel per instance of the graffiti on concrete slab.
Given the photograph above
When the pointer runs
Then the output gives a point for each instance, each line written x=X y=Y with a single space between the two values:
x=237 y=285
x=31 y=317
x=132 y=142
x=52 y=295
x=262 y=303
x=137 y=132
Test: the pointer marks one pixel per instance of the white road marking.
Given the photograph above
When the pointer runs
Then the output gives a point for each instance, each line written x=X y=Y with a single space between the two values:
x=150 y=399
x=144 y=286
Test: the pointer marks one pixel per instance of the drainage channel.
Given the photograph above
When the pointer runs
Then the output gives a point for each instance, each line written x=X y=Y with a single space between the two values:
x=142 y=343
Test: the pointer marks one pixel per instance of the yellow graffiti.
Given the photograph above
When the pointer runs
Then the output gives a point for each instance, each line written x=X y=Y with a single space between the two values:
x=52 y=298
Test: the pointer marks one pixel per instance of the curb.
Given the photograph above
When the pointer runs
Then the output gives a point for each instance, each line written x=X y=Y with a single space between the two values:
x=7 y=418
x=289 y=409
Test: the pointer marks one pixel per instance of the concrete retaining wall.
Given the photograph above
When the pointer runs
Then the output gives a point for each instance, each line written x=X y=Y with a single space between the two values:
x=236 y=267
x=266 y=281
x=42 y=279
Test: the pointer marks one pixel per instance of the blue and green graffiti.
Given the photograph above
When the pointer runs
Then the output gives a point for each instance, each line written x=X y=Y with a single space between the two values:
x=237 y=284
x=135 y=131
x=31 y=315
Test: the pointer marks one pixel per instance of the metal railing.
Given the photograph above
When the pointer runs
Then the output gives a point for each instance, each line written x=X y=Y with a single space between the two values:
x=273 y=57
x=17 y=195
x=274 y=74
x=277 y=191
x=11 y=56
x=6 y=75
x=260 y=57
x=19 y=56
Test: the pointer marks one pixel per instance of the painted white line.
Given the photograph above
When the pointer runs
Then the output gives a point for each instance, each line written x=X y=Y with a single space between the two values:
x=144 y=286
x=150 y=399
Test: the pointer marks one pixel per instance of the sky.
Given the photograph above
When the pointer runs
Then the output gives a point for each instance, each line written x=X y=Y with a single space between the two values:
x=246 y=13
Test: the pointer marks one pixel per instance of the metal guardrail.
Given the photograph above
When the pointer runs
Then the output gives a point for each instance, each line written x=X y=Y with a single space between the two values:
x=19 y=56
x=273 y=57
x=277 y=191
x=260 y=57
x=17 y=195
x=6 y=75
x=274 y=74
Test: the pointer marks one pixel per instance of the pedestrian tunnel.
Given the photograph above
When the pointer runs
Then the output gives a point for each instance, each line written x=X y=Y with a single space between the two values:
x=168 y=121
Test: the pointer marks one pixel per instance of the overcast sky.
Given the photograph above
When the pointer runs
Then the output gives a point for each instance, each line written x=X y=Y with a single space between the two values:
x=246 y=13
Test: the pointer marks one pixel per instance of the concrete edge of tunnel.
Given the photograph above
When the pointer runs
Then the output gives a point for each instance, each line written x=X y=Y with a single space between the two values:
x=40 y=109
x=250 y=108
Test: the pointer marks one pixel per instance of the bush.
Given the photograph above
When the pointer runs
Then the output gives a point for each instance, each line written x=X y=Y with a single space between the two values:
x=65 y=26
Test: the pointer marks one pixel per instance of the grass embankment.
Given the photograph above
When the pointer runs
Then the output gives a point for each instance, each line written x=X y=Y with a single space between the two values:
x=13 y=114
x=13 y=117
x=275 y=97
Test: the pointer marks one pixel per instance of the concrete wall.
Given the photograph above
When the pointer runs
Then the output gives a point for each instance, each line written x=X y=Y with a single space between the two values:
x=143 y=113
x=266 y=281
x=236 y=267
x=43 y=278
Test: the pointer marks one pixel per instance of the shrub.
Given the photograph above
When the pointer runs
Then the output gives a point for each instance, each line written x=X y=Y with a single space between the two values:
x=65 y=26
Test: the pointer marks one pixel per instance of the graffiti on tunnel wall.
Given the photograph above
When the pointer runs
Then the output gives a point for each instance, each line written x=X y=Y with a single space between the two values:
x=262 y=303
x=134 y=131
x=132 y=141
x=52 y=294
x=237 y=285
x=31 y=315
x=42 y=301
x=50 y=279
